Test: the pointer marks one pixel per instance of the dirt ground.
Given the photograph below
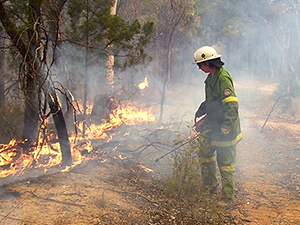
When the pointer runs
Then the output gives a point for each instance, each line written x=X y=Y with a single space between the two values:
x=121 y=191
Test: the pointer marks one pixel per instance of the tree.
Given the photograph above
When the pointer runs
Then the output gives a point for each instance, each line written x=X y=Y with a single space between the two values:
x=106 y=37
x=34 y=80
x=2 y=70
x=35 y=30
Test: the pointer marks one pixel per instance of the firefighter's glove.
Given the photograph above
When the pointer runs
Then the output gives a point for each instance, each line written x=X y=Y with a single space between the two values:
x=225 y=131
x=199 y=124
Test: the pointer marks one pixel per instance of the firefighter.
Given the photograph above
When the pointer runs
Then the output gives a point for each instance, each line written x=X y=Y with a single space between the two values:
x=221 y=119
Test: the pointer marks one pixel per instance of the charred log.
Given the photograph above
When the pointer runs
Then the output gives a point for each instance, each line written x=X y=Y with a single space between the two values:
x=61 y=128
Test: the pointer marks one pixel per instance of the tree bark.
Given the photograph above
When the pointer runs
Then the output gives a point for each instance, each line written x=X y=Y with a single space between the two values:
x=61 y=127
x=2 y=71
x=31 y=105
x=110 y=73
x=58 y=117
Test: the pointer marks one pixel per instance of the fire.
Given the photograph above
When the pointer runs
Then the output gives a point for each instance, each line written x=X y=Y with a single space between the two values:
x=89 y=107
x=146 y=169
x=45 y=154
x=128 y=115
x=144 y=84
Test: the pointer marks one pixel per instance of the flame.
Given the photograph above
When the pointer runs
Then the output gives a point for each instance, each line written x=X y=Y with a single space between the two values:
x=46 y=154
x=144 y=84
x=122 y=157
x=146 y=169
x=128 y=115
x=80 y=107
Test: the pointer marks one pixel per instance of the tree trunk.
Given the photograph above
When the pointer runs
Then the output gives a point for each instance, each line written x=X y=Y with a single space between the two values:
x=31 y=105
x=110 y=74
x=61 y=127
x=30 y=129
x=2 y=71
x=106 y=92
x=168 y=70
x=58 y=117
x=86 y=75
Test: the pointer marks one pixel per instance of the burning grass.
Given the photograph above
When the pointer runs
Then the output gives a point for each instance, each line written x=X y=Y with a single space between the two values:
x=16 y=156
x=106 y=183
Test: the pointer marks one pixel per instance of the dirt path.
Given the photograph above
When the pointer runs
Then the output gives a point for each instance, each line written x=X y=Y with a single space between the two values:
x=268 y=179
x=266 y=193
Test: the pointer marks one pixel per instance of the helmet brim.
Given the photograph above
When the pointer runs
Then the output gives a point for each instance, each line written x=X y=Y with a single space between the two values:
x=208 y=59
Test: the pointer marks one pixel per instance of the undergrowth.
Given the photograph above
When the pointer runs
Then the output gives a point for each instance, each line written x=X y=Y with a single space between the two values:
x=11 y=122
x=192 y=203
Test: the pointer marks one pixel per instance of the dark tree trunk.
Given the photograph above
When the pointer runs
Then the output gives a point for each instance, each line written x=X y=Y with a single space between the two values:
x=30 y=129
x=61 y=128
x=2 y=71
x=58 y=117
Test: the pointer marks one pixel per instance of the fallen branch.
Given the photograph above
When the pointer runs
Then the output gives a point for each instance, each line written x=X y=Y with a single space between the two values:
x=153 y=144
x=14 y=208
x=184 y=143
x=56 y=201
x=272 y=109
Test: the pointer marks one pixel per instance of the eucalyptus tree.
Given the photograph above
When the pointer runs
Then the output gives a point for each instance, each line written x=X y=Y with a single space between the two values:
x=95 y=30
x=26 y=25
x=36 y=31
x=2 y=70
x=256 y=33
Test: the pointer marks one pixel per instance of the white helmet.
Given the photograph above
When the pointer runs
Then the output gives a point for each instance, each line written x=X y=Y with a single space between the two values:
x=205 y=53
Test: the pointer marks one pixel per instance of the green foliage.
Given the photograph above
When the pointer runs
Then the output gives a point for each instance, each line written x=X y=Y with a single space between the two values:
x=18 y=13
x=88 y=19
x=94 y=22
x=35 y=2
x=187 y=166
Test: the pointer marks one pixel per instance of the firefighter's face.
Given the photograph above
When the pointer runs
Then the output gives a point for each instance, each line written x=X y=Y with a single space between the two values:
x=204 y=67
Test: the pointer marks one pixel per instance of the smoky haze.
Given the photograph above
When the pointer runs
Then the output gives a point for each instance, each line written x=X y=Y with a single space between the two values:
x=259 y=46
x=261 y=42
x=261 y=53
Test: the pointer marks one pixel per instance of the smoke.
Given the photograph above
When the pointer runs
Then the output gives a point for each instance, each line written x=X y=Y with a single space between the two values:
x=257 y=52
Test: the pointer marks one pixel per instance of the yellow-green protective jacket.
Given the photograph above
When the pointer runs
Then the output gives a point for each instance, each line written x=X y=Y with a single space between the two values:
x=221 y=109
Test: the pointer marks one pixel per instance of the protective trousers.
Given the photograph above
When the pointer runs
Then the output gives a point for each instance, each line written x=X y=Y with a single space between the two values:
x=225 y=157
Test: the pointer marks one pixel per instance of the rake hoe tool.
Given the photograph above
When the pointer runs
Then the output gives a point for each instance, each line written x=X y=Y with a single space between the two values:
x=173 y=150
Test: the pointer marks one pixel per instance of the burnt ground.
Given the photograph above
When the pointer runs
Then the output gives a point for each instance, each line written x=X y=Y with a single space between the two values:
x=120 y=191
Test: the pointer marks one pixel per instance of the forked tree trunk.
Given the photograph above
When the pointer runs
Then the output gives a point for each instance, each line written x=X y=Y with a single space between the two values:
x=58 y=117
x=2 y=71
x=61 y=127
